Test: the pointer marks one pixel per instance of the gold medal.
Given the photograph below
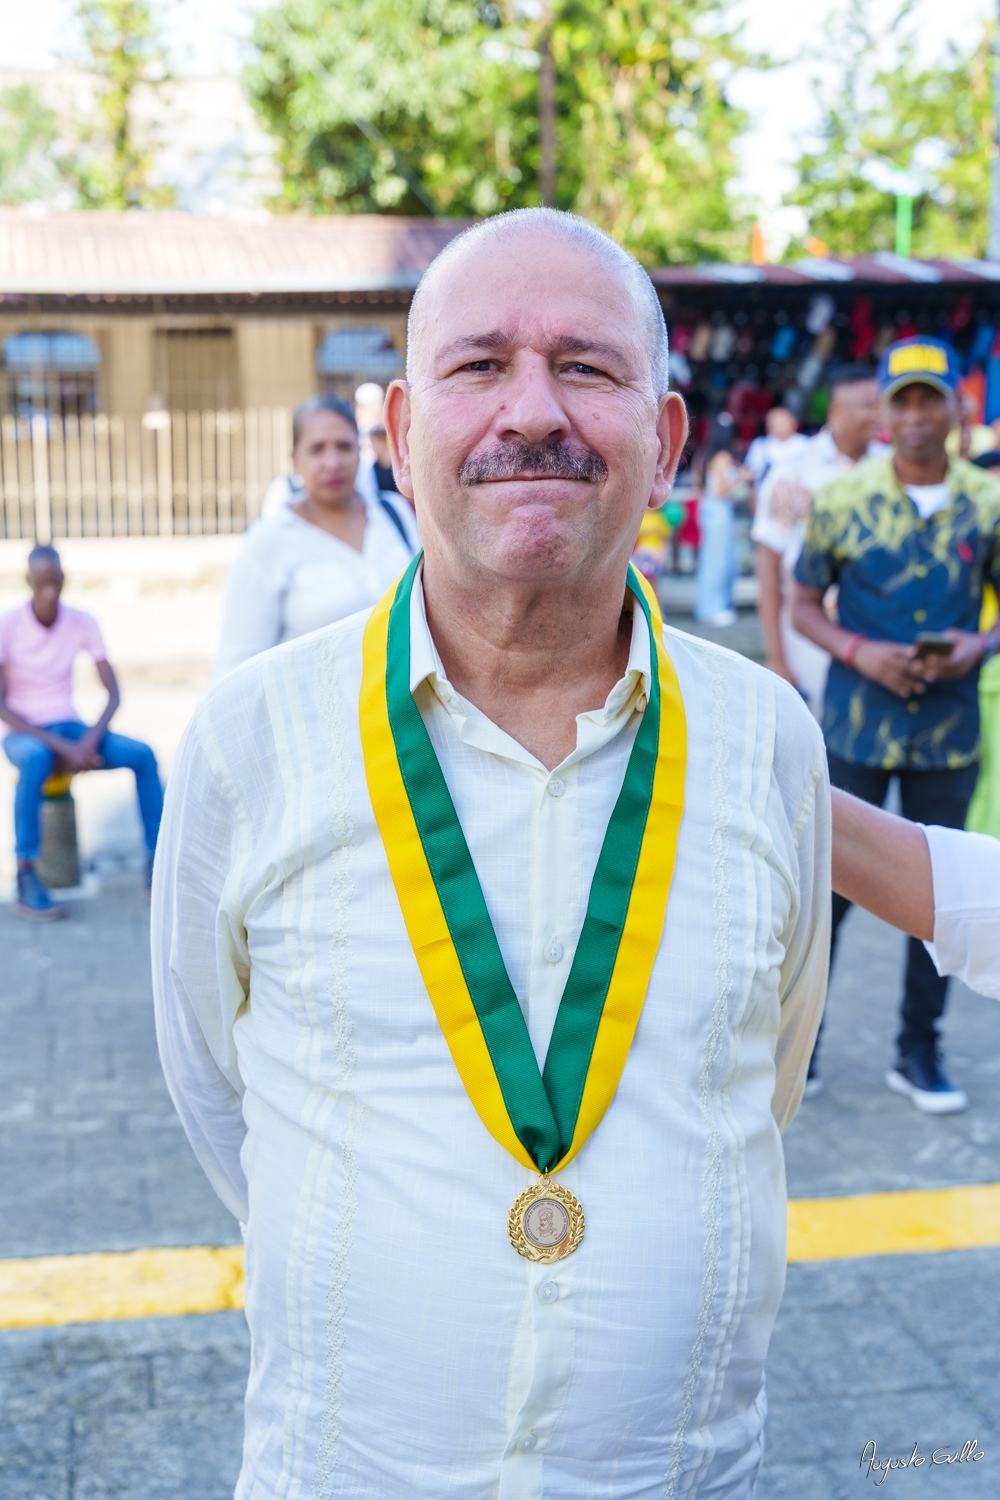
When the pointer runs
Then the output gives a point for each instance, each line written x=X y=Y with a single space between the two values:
x=546 y=1222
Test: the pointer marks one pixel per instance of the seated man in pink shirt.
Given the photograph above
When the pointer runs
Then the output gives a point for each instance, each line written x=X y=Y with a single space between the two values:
x=38 y=645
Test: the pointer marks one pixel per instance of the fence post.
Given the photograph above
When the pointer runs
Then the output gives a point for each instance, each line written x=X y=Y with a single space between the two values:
x=164 y=475
x=40 y=477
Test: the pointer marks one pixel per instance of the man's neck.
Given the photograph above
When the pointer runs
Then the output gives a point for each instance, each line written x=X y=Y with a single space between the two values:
x=48 y=624
x=849 y=450
x=530 y=658
x=923 y=471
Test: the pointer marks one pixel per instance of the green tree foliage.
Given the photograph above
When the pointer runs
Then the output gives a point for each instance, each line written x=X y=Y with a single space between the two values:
x=28 y=134
x=931 y=125
x=115 y=157
x=411 y=106
x=105 y=161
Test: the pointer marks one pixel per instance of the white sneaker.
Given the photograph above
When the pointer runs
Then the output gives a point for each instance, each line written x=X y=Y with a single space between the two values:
x=724 y=618
x=926 y=1086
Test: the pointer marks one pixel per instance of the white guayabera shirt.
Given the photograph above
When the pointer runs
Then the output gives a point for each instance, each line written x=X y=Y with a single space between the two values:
x=400 y=1347
x=965 y=869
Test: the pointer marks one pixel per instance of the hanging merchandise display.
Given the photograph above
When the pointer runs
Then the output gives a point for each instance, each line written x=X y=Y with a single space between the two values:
x=723 y=343
x=783 y=343
x=701 y=340
x=820 y=313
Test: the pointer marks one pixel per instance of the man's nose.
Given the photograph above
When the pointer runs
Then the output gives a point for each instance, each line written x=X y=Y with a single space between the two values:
x=531 y=403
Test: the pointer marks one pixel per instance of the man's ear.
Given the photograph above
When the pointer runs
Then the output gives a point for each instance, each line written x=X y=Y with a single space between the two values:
x=672 y=431
x=397 y=416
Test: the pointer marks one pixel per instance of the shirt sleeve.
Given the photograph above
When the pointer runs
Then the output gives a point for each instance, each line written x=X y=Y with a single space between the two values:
x=252 y=609
x=767 y=528
x=201 y=968
x=92 y=640
x=817 y=567
x=965 y=868
x=806 y=963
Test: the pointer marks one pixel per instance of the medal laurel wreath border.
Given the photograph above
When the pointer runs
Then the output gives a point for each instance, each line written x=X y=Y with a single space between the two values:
x=545 y=1188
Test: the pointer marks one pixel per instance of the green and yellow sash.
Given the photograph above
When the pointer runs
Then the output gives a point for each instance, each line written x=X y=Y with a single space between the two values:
x=543 y=1119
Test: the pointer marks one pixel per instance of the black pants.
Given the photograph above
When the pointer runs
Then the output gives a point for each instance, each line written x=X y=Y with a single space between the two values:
x=940 y=797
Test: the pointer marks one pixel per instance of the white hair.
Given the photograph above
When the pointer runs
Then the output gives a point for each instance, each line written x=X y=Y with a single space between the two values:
x=580 y=232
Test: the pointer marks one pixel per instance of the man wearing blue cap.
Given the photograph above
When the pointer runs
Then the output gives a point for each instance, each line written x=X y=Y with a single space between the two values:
x=910 y=540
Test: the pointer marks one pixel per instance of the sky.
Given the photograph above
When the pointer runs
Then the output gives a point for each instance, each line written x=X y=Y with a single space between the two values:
x=208 y=37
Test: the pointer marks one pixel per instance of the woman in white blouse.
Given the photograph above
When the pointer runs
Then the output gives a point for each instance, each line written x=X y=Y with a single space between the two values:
x=939 y=884
x=322 y=557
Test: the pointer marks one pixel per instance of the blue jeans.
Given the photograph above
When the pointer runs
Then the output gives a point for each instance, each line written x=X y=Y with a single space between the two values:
x=36 y=761
x=716 y=557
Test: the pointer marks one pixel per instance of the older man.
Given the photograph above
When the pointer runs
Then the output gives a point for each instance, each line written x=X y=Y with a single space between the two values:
x=490 y=947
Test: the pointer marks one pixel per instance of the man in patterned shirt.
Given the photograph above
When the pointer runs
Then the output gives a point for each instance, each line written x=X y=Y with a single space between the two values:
x=910 y=540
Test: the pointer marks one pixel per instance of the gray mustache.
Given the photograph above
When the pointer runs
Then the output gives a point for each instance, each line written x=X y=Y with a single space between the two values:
x=510 y=460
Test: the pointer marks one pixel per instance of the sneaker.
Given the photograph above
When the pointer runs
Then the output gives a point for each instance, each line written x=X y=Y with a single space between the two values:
x=923 y=1081
x=723 y=619
x=33 y=900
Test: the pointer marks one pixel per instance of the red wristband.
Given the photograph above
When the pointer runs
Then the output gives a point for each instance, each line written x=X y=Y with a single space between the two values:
x=852 y=646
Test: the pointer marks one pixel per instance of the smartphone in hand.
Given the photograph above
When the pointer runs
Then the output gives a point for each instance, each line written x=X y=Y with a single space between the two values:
x=933 y=643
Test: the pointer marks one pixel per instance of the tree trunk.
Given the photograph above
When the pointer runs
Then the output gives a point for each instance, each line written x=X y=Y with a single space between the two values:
x=547 y=120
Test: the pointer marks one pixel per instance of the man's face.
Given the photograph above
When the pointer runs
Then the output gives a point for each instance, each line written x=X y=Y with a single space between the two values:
x=45 y=581
x=780 y=423
x=854 y=416
x=918 y=419
x=530 y=438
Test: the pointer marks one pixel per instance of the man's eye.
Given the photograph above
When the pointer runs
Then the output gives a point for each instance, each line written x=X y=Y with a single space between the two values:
x=581 y=369
x=478 y=365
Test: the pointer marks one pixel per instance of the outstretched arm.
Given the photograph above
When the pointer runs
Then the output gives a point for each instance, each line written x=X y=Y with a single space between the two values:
x=883 y=864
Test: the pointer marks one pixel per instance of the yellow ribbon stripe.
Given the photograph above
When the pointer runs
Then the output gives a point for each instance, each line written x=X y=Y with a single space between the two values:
x=421 y=907
x=640 y=940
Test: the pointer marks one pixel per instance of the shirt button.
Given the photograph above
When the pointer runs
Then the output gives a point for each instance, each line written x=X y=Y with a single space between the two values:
x=913 y=706
x=526 y=1443
x=920 y=571
x=548 y=1292
x=640 y=707
x=553 y=951
x=556 y=787
x=920 y=615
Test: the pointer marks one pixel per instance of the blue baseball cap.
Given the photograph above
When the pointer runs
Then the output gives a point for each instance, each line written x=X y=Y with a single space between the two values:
x=918 y=361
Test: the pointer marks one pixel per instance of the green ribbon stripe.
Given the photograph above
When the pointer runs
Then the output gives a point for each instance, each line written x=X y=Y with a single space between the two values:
x=543 y=1107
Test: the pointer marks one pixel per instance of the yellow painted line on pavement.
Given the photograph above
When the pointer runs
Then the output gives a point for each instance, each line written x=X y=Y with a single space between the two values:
x=52 y=1290
x=904 y=1223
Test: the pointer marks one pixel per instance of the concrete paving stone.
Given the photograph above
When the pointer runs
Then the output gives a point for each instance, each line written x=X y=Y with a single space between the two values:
x=835 y=1429
x=42 y=1390
x=834 y=1284
x=35 y=1460
x=164 y=1454
x=181 y=1376
x=943 y=1300
x=869 y=1351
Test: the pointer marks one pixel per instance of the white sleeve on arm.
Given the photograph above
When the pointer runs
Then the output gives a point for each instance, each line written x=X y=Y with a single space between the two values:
x=966 y=873
x=252 y=609
x=201 y=970
x=807 y=952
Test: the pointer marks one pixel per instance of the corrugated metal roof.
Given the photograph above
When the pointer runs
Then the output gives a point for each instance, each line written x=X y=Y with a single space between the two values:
x=76 y=254
x=150 y=253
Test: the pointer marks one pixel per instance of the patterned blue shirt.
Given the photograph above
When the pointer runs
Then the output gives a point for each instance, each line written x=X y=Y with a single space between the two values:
x=899 y=575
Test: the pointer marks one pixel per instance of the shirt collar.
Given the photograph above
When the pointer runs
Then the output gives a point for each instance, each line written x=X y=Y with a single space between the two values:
x=594 y=728
x=888 y=477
